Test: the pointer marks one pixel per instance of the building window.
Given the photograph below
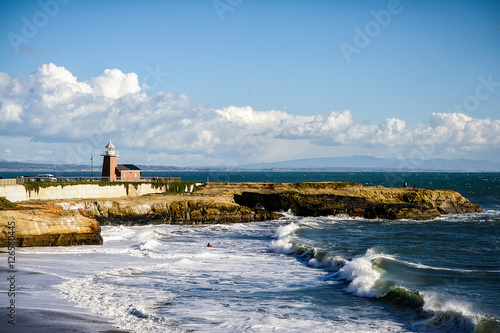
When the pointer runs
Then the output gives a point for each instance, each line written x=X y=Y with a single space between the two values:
x=124 y=175
x=135 y=173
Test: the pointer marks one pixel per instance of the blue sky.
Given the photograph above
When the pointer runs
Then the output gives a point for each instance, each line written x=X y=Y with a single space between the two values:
x=413 y=60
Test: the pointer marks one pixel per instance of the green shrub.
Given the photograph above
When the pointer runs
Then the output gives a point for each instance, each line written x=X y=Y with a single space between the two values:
x=320 y=185
x=6 y=204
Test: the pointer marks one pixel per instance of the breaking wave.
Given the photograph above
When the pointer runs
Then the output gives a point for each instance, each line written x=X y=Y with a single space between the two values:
x=381 y=276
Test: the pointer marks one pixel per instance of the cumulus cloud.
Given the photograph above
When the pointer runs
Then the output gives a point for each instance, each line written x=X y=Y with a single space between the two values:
x=52 y=106
x=114 y=84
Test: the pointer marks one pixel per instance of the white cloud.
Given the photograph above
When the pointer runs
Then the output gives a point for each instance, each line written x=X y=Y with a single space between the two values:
x=11 y=92
x=115 y=84
x=72 y=119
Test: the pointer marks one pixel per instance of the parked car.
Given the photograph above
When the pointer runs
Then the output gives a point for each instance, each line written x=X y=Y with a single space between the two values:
x=46 y=177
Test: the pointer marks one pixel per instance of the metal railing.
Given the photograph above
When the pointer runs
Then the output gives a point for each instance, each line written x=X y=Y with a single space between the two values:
x=11 y=181
x=22 y=180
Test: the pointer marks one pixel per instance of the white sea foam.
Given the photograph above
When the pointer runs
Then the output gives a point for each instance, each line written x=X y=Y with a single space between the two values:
x=229 y=274
x=149 y=240
x=361 y=274
x=288 y=214
x=117 y=302
x=286 y=230
x=328 y=262
x=482 y=216
x=450 y=312
x=164 y=278
x=284 y=239
x=436 y=302
x=116 y=233
x=344 y=217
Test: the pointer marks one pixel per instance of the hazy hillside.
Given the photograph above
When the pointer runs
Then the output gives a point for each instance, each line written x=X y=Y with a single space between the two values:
x=351 y=163
x=372 y=163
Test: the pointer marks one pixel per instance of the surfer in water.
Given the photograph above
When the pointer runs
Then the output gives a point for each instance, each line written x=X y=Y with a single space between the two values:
x=208 y=245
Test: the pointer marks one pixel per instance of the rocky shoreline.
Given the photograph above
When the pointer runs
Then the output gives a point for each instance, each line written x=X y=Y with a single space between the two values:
x=78 y=221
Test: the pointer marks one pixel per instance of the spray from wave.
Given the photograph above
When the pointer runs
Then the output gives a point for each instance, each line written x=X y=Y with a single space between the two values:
x=361 y=275
x=284 y=242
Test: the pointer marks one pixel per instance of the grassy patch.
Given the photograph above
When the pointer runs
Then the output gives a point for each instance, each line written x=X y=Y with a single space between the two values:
x=176 y=187
x=322 y=185
x=36 y=186
x=6 y=204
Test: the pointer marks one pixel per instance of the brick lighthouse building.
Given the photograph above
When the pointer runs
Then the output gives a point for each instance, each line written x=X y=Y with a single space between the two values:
x=109 y=163
x=111 y=171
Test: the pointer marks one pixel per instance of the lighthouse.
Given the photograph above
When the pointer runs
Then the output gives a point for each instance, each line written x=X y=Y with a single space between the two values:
x=111 y=171
x=109 y=163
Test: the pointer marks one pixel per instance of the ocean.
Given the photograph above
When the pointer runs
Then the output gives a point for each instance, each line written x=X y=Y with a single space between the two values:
x=295 y=274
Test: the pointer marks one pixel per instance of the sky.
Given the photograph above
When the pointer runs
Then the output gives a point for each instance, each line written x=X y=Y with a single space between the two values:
x=234 y=82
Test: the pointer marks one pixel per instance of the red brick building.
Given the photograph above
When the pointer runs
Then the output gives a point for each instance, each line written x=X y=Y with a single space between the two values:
x=111 y=171
x=128 y=172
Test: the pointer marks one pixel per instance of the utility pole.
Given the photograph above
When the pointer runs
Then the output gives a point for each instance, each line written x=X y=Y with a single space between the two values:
x=92 y=166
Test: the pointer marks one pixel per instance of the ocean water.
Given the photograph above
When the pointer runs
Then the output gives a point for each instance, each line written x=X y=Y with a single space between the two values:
x=296 y=274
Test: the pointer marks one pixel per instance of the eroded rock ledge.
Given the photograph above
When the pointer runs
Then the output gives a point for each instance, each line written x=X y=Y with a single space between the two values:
x=77 y=222
x=158 y=211
x=355 y=200
x=48 y=226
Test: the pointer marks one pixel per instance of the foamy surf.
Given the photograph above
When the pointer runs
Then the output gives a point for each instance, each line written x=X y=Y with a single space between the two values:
x=118 y=302
x=284 y=239
x=179 y=284
x=361 y=275
x=434 y=276
x=405 y=285
x=326 y=274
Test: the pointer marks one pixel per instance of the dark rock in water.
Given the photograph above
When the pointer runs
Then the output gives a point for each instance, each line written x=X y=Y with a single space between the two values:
x=378 y=202
x=256 y=201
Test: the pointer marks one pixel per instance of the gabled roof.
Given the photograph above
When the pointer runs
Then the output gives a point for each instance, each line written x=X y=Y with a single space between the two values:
x=127 y=167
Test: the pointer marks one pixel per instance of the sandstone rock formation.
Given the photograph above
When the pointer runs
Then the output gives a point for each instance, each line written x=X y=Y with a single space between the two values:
x=158 y=211
x=245 y=202
x=48 y=227
x=355 y=200
x=77 y=222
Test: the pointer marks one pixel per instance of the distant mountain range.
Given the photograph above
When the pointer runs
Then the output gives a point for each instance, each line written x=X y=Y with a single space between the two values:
x=369 y=163
x=352 y=163
x=32 y=167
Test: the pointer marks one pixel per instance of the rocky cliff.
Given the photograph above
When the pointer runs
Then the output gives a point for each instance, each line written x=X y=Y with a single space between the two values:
x=245 y=202
x=158 y=211
x=48 y=226
x=368 y=203
x=76 y=222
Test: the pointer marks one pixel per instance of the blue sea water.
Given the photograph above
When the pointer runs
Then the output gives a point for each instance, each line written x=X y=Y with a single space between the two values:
x=296 y=274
